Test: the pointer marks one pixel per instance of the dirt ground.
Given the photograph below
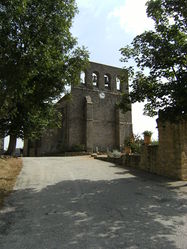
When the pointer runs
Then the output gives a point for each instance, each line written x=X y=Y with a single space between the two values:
x=9 y=170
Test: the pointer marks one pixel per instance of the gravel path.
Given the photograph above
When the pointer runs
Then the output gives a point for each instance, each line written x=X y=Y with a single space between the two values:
x=82 y=203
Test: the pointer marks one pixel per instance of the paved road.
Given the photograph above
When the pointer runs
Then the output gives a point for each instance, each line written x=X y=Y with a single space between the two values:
x=82 y=203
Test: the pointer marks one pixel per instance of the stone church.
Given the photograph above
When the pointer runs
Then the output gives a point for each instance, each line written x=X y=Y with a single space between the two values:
x=90 y=119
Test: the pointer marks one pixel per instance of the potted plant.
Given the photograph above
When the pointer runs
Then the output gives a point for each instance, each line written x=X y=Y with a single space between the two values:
x=127 y=145
x=147 y=137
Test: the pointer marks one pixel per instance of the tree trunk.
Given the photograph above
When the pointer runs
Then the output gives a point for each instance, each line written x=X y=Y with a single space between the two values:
x=11 y=146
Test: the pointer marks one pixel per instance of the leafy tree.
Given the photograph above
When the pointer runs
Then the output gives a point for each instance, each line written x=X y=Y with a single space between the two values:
x=38 y=59
x=161 y=56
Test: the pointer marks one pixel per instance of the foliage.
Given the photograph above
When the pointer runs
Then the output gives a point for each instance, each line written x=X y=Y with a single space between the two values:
x=147 y=133
x=134 y=142
x=125 y=103
x=136 y=148
x=38 y=58
x=128 y=142
x=74 y=148
x=114 y=154
x=162 y=52
x=77 y=148
x=137 y=144
x=155 y=142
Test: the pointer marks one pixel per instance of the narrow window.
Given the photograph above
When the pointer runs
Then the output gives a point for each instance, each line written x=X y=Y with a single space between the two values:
x=82 y=78
x=118 y=84
x=107 y=81
x=95 y=79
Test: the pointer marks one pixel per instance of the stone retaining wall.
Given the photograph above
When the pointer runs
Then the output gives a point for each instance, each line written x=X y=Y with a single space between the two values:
x=169 y=158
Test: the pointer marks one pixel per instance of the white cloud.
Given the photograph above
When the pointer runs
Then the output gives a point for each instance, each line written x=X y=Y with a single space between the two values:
x=95 y=8
x=85 y=3
x=132 y=16
x=89 y=6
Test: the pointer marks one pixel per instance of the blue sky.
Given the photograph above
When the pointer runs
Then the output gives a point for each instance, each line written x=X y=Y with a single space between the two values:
x=106 y=26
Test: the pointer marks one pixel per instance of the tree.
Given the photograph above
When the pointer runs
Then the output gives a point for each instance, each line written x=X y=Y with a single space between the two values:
x=161 y=56
x=38 y=59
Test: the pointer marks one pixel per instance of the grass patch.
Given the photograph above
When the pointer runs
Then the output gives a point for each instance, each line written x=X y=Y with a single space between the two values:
x=9 y=170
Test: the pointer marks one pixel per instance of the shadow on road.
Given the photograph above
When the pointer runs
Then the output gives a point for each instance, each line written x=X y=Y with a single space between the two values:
x=122 y=213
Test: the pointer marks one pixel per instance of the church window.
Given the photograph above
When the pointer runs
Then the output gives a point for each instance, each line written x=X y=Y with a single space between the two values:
x=118 y=84
x=82 y=77
x=107 y=79
x=95 y=79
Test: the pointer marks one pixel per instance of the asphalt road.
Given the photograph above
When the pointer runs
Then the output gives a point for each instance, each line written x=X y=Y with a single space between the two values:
x=82 y=203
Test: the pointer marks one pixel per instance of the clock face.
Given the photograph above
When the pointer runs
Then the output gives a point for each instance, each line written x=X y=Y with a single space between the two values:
x=102 y=95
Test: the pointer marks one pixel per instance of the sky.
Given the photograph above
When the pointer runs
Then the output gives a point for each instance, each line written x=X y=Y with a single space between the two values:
x=104 y=27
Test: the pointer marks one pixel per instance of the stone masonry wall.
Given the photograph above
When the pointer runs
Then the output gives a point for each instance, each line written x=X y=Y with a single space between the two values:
x=183 y=139
x=169 y=158
x=149 y=158
x=173 y=149
x=98 y=124
x=109 y=129
x=90 y=118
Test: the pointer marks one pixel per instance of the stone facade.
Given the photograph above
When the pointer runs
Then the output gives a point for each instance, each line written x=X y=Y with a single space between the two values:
x=91 y=118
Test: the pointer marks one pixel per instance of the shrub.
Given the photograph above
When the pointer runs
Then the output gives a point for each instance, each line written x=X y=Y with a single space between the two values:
x=147 y=133
x=77 y=148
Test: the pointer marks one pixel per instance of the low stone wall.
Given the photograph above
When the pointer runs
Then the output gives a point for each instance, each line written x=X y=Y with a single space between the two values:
x=131 y=161
x=149 y=159
x=169 y=158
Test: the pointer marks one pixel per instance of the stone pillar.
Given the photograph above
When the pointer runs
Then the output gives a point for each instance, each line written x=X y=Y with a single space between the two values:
x=117 y=128
x=89 y=124
x=123 y=127
x=172 y=159
x=113 y=83
x=122 y=87
x=101 y=81
x=124 y=81
x=88 y=78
